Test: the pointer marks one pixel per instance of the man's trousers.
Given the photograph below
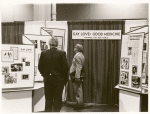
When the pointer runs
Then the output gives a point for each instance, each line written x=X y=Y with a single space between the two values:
x=53 y=94
x=78 y=93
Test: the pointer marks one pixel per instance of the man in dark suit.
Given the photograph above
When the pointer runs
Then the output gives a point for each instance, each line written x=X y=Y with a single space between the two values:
x=54 y=68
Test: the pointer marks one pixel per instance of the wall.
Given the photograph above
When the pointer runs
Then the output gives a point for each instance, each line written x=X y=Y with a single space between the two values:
x=17 y=12
x=101 y=11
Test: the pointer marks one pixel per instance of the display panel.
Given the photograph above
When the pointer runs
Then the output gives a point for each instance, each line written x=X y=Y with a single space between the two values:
x=131 y=61
x=145 y=73
x=17 y=60
x=40 y=43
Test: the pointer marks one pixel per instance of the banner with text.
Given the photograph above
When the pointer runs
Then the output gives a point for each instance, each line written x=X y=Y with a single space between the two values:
x=96 y=34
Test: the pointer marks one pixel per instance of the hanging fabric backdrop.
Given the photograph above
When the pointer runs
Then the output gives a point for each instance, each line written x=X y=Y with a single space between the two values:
x=102 y=60
x=12 y=32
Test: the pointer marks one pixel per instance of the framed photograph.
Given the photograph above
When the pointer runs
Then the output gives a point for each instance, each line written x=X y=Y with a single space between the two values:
x=35 y=43
x=10 y=78
x=134 y=69
x=25 y=76
x=16 y=67
x=43 y=45
x=129 y=50
x=124 y=76
x=135 y=82
x=23 y=59
x=27 y=63
x=124 y=63
x=5 y=70
x=7 y=56
x=15 y=50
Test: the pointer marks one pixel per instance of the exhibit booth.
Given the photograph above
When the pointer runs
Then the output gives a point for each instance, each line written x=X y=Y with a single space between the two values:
x=117 y=63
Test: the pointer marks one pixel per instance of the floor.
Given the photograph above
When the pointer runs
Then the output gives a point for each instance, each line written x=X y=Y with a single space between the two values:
x=89 y=107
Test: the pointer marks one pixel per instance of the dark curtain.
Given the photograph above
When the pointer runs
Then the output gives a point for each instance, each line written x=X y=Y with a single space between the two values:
x=102 y=61
x=12 y=32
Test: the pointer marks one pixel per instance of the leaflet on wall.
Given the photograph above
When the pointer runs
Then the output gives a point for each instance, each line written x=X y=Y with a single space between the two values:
x=14 y=71
x=131 y=61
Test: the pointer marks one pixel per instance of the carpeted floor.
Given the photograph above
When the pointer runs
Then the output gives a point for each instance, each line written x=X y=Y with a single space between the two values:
x=89 y=107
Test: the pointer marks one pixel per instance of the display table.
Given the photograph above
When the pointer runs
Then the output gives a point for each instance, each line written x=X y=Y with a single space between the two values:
x=132 y=101
x=25 y=100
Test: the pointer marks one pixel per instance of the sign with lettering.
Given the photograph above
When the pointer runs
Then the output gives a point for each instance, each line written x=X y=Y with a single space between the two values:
x=96 y=34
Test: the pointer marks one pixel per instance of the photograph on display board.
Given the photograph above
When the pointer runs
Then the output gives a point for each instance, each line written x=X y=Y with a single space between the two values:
x=10 y=78
x=15 y=50
x=5 y=70
x=134 y=69
x=144 y=46
x=35 y=43
x=124 y=76
x=27 y=63
x=35 y=70
x=16 y=67
x=135 y=82
x=129 y=50
x=143 y=67
x=23 y=59
x=25 y=76
x=124 y=63
x=43 y=45
x=7 y=56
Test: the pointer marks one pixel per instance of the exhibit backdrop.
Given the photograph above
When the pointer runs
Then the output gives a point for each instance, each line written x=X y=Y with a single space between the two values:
x=17 y=66
x=131 y=61
x=40 y=43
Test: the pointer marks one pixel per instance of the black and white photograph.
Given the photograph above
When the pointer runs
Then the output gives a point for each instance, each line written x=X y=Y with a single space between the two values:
x=75 y=57
x=124 y=78
x=7 y=56
x=5 y=70
x=124 y=63
x=35 y=43
x=23 y=59
x=15 y=50
x=25 y=76
x=134 y=69
x=16 y=67
x=10 y=78
x=43 y=45
x=35 y=70
x=27 y=63
x=129 y=50
x=144 y=46
x=135 y=82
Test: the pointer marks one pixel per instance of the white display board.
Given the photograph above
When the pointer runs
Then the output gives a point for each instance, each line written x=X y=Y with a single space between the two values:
x=41 y=44
x=131 y=61
x=17 y=66
x=55 y=32
x=145 y=53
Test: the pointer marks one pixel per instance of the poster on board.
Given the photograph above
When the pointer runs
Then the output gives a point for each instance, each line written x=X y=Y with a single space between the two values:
x=15 y=67
x=131 y=61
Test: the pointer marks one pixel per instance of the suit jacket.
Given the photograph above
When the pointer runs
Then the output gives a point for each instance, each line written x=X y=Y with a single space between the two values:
x=77 y=65
x=53 y=62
